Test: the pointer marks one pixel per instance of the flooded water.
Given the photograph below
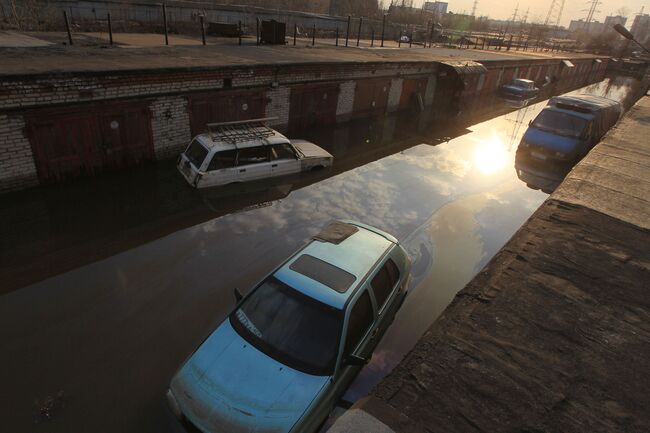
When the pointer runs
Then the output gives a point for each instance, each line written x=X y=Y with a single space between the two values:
x=124 y=289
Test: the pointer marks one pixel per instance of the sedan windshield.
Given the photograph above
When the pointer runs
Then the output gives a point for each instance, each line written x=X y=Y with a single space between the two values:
x=560 y=123
x=292 y=328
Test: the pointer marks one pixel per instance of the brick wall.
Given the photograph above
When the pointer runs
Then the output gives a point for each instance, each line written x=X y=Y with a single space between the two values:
x=170 y=126
x=394 y=94
x=345 y=102
x=17 y=169
x=278 y=106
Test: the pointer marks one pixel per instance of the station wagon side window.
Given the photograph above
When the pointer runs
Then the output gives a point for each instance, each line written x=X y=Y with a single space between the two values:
x=223 y=159
x=384 y=282
x=253 y=155
x=282 y=151
x=361 y=318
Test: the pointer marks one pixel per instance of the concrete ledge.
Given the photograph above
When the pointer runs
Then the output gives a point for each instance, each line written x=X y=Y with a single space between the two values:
x=553 y=334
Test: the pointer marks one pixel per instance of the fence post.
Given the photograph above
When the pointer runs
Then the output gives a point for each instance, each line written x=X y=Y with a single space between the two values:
x=239 y=31
x=202 y=29
x=257 y=30
x=372 y=37
x=313 y=36
x=509 y=43
x=110 y=29
x=295 y=33
x=399 y=40
x=164 y=11
x=383 y=29
x=359 y=32
x=347 y=33
x=67 y=26
x=411 y=38
x=337 y=36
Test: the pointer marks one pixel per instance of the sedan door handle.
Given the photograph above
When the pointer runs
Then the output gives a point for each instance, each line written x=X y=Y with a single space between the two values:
x=274 y=165
x=242 y=170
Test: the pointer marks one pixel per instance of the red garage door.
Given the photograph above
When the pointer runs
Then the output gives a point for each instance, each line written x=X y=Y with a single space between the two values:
x=371 y=97
x=313 y=104
x=70 y=142
x=225 y=106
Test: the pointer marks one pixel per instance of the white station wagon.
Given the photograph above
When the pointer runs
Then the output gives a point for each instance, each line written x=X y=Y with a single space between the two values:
x=246 y=150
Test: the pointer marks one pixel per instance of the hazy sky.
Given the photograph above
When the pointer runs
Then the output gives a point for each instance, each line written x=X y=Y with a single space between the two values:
x=573 y=9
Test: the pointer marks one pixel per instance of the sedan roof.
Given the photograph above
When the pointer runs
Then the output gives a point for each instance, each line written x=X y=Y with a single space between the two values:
x=345 y=266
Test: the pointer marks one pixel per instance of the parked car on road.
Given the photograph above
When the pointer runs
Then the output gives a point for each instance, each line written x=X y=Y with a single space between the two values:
x=246 y=150
x=562 y=134
x=520 y=89
x=286 y=354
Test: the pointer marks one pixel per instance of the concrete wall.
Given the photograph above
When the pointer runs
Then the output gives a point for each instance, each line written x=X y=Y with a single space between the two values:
x=167 y=94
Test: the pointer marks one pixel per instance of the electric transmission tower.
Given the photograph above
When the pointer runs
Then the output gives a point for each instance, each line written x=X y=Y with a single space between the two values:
x=474 y=8
x=591 y=11
x=554 y=13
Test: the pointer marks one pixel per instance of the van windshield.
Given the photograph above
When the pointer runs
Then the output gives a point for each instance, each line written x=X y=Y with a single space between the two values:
x=290 y=327
x=196 y=153
x=560 y=123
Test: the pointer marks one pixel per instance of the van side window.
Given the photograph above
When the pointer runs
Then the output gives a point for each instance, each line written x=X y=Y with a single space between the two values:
x=253 y=155
x=361 y=317
x=223 y=159
x=384 y=282
x=282 y=151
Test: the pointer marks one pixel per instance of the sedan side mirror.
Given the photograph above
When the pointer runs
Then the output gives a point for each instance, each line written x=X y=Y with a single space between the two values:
x=238 y=295
x=356 y=360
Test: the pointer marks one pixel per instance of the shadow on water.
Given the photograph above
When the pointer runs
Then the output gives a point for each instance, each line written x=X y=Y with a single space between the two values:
x=107 y=336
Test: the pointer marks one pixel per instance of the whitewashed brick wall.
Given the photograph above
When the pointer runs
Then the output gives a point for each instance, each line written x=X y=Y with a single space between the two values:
x=17 y=169
x=170 y=125
x=394 y=94
x=430 y=91
x=278 y=106
x=345 y=102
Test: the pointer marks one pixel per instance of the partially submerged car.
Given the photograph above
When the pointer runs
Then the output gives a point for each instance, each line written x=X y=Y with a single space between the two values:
x=520 y=88
x=246 y=150
x=568 y=127
x=286 y=354
x=561 y=135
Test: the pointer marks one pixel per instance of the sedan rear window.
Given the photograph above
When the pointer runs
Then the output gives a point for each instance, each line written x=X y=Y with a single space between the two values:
x=323 y=272
x=196 y=153
x=290 y=327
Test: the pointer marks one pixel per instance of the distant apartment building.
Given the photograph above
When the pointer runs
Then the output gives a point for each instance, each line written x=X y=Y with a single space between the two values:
x=641 y=28
x=439 y=8
x=611 y=21
x=581 y=25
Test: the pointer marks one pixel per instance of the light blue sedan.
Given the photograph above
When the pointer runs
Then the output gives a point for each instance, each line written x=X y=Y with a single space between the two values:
x=287 y=353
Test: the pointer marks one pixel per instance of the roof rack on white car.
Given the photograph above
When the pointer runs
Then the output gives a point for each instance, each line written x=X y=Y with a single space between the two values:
x=241 y=130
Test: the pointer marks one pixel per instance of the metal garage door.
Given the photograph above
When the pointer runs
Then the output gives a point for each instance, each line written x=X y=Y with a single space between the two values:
x=371 y=97
x=225 y=106
x=411 y=88
x=313 y=104
x=71 y=142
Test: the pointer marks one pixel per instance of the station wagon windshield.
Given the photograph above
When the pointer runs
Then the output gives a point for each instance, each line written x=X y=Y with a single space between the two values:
x=560 y=123
x=290 y=327
x=196 y=153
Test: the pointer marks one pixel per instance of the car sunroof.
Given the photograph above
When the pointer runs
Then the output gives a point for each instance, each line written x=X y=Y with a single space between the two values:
x=325 y=273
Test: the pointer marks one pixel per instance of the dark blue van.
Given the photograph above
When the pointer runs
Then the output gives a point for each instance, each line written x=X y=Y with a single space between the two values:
x=561 y=135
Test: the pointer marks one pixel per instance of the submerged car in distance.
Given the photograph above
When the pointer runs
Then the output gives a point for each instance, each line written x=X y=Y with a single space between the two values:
x=246 y=150
x=561 y=135
x=282 y=359
x=520 y=88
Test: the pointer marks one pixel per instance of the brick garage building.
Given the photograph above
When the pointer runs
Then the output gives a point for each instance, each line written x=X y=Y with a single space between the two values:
x=55 y=126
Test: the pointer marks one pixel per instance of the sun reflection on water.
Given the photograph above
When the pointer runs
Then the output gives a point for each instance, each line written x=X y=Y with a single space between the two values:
x=490 y=155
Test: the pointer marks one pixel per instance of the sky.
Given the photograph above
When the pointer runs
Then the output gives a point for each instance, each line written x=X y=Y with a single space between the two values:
x=573 y=9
